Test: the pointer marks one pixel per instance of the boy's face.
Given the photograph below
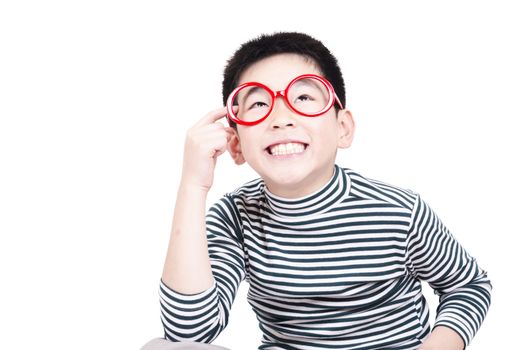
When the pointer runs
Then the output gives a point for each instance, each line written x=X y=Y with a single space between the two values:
x=294 y=154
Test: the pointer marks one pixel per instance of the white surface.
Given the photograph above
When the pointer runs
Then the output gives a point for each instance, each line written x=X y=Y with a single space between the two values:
x=95 y=99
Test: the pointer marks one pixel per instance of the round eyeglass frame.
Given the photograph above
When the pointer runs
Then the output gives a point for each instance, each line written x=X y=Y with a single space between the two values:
x=284 y=93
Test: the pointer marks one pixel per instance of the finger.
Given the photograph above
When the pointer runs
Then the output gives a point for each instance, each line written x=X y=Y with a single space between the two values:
x=216 y=147
x=207 y=130
x=212 y=116
x=234 y=110
x=219 y=151
x=210 y=135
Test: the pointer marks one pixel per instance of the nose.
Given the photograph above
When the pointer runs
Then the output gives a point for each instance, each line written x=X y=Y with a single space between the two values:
x=281 y=116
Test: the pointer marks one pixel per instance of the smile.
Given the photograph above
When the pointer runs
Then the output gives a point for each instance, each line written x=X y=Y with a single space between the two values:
x=286 y=148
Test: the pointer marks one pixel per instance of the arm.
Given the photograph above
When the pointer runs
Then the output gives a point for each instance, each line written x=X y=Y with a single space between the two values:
x=435 y=256
x=187 y=268
x=202 y=316
x=192 y=306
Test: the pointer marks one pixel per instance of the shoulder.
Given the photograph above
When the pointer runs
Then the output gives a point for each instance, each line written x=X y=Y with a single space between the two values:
x=248 y=194
x=225 y=214
x=253 y=189
x=371 y=189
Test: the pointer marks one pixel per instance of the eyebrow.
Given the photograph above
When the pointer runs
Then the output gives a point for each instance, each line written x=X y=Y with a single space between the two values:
x=249 y=92
x=319 y=87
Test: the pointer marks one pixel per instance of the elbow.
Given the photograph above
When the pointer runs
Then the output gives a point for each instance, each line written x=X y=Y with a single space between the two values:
x=190 y=317
x=202 y=330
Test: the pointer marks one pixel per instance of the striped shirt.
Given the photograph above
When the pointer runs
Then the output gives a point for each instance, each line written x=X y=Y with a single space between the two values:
x=338 y=269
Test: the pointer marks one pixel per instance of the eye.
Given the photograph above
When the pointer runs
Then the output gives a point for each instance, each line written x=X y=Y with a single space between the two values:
x=258 y=104
x=304 y=98
x=308 y=91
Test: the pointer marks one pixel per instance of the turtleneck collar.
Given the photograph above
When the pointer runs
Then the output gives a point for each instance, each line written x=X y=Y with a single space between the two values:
x=318 y=202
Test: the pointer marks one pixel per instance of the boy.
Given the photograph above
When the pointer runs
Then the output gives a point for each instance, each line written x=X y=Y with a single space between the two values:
x=334 y=260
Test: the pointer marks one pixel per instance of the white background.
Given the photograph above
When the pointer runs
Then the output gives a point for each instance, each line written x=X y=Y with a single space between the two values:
x=95 y=99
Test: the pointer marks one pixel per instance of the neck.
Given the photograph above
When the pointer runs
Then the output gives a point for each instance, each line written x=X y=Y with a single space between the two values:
x=301 y=189
x=307 y=204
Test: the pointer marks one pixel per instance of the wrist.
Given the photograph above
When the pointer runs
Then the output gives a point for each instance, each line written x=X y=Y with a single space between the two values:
x=194 y=189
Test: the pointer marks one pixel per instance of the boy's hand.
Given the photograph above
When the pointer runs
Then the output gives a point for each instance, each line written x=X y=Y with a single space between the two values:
x=204 y=142
x=443 y=338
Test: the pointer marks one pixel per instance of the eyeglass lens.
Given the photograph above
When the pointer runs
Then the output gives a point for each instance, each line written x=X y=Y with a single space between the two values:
x=307 y=96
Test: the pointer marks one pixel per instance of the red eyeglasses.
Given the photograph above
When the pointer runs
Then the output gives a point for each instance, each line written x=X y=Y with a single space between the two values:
x=309 y=95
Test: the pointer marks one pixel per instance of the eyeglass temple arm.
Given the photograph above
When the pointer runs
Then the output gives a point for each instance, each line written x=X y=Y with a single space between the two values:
x=338 y=101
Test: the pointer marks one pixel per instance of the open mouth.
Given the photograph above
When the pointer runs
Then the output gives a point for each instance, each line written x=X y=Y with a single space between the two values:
x=283 y=149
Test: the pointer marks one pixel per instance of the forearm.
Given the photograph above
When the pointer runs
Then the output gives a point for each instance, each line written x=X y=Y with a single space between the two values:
x=464 y=289
x=187 y=268
x=443 y=338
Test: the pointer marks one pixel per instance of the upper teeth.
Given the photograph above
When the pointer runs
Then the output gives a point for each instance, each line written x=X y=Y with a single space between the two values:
x=287 y=148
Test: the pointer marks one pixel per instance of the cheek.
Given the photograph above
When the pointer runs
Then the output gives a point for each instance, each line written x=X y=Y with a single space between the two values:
x=325 y=143
x=248 y=143
x=324 y=132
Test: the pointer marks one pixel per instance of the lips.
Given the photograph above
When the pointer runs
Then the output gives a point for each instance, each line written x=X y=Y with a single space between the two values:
x=287 y=148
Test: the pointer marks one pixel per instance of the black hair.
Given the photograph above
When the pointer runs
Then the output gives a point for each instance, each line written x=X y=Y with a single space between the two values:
x=268 y=45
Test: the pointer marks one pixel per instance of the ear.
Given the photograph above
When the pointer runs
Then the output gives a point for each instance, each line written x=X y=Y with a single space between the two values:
x=233 y=146
x=346 y=127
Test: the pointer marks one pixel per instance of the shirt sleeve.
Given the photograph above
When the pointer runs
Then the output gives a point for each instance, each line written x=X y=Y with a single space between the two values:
x=201 y=317
x=436 y=257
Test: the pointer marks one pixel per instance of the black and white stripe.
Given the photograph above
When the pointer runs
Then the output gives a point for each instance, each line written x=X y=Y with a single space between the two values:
x=339 y=269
